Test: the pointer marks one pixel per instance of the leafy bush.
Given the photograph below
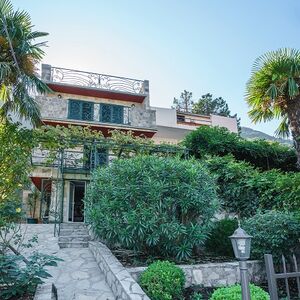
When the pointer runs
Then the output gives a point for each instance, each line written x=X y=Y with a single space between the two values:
x=235 y=293
x=163 y=280
x=218 y=241
x=243 y=189
x=21 y=278
x=236 y=195
x=273 y=232
x=162 y=206
x=260 y=153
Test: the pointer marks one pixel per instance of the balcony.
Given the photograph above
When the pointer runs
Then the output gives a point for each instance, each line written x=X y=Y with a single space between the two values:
x=94 y=84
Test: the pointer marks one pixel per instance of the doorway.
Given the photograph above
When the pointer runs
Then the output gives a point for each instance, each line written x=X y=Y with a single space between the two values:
x=76 y=205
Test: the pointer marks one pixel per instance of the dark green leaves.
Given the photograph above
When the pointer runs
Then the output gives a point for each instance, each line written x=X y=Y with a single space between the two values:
x=160 y=206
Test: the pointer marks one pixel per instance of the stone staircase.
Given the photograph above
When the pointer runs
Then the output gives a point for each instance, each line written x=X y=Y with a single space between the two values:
x=73 y=235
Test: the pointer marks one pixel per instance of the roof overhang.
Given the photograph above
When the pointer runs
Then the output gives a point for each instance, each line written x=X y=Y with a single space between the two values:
x=95 y=92
x=104 y=128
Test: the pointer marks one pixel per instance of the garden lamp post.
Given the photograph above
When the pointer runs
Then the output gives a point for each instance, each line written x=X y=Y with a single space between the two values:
x=241 y=243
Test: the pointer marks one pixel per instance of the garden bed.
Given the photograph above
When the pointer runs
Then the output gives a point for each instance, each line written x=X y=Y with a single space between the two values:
x=130 y=258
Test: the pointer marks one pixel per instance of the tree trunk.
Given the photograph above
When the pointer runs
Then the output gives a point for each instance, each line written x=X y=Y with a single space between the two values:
x=293 y=113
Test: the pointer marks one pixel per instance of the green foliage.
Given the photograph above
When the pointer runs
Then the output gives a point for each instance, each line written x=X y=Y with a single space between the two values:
x=206 y=105
x=273 y=232
x=260 y=153
x=235 y=293
x=272 y=86
x=19 y=55
x=218 y=241
x=21 y=278
x=197 y=296
x=121 y=144
x=19 y=275
x=163 y=280
x=244 y=189
x=15 y=149
x=162 y=206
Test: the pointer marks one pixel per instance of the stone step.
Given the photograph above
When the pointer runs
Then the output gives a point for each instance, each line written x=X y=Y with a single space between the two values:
x=72 y=226
x=70 y=232
x=73 y=245
x=68 y=239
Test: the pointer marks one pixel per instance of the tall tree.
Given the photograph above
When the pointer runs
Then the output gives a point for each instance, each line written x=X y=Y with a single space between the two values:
x=273 y=92
x=19 y=54
x=184 y=103
x=206 y=105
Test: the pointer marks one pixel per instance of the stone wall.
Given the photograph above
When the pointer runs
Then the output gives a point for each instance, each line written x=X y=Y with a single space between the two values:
x=140 y=117
x=214 y=274
x=52 y=107
x=117 y=277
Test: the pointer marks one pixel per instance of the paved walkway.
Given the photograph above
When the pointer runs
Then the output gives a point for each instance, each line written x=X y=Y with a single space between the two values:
x=78 y=277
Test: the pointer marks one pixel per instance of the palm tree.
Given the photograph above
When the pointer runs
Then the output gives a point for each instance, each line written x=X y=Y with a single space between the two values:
x=273 y=92
x=19 y=55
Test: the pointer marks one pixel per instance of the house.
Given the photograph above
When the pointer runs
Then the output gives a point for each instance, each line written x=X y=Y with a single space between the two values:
x=104 y=103
x=172 y=126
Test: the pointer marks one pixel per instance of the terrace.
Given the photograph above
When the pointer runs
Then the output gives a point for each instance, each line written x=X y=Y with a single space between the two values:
x=95 y=84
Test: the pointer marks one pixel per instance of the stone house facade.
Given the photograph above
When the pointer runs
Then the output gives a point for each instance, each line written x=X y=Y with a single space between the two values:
x=104 y=103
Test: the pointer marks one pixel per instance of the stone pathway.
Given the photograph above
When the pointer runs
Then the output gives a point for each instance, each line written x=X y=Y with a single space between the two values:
x=78 y=277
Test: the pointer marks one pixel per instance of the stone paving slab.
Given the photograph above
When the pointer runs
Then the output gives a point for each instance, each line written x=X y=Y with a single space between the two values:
x=78 y=277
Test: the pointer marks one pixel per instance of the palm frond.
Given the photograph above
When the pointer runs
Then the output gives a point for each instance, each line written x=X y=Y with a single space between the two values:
x=283 y=128
x=17 y=72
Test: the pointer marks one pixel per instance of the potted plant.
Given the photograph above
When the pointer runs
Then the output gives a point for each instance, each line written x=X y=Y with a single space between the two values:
x=33 y=198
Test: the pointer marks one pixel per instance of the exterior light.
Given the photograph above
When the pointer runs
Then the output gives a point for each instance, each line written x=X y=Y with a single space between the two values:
x=241 y=243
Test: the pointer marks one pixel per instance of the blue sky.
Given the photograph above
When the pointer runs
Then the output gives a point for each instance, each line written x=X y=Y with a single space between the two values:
x=202 y=46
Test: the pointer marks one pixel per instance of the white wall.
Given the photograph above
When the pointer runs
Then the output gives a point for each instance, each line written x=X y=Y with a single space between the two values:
x=229 y=123
x=165 y=116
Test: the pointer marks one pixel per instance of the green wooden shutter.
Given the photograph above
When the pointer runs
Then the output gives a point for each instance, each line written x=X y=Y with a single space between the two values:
x=81 y=110
x=118 y=114
x=87 y=111
x=74 y=109
x=105 y=113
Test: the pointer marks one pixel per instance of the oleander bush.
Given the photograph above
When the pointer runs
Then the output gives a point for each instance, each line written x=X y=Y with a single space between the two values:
x=218 y=241
x=160 y=206
x=259 y=153
x=273 y=232
x=235 y=293
x=162 y=280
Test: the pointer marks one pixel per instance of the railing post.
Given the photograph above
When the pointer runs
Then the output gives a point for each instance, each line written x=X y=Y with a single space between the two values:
x=46 y=72
x=272 y=284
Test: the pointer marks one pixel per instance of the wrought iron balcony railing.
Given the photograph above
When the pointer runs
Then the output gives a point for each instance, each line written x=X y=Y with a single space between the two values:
x=94 y=80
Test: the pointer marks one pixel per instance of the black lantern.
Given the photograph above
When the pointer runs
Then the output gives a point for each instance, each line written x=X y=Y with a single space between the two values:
x=241 y=243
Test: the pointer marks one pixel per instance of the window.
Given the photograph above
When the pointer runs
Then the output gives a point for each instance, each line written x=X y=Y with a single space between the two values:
x=111 y=113
x=81 y=110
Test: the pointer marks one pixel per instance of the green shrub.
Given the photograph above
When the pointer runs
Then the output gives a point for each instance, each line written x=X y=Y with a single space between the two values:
x=243 y=189
x=236 y=195
x=161 y=206
x=163 y=280
x=260 y=153
x=273 y=232
x=19 y=278
x=235 y=293
x=218 y=241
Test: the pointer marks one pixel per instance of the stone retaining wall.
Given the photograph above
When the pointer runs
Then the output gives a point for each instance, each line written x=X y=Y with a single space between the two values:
x=117 y=277
x=214 y=274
